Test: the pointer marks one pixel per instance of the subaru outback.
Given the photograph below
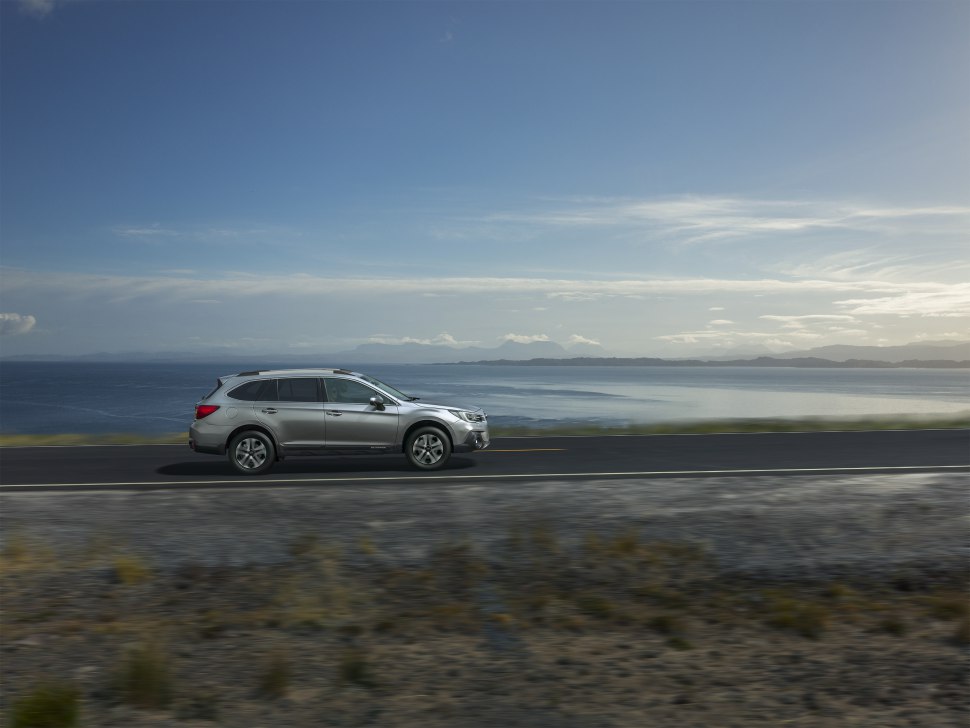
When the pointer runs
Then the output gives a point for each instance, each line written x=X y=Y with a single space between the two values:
x=256 y=418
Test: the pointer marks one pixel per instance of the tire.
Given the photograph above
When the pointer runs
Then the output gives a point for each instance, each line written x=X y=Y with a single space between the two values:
x=251 y=453
x=427 y=448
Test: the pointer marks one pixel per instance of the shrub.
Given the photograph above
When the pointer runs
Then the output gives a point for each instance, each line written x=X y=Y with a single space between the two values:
x=962 y=634
x=50 y=705
x=679 y=643
x=666 y=624
x=131 y=570
x=303 y=545
x=949 y=606
x=199 y=705
x=144 y=679
x=354 y=668
x=894 y=625
x=367 y=546
x=805 y=618
x=274 y=680
x=594 y=605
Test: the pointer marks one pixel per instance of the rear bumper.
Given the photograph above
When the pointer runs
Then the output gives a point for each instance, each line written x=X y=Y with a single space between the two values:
x=204 y=437
x=210 y=449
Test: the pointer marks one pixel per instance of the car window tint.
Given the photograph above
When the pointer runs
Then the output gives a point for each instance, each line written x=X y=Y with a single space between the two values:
x=248 y=392
x=267 y=392
x=348 y=391
x=302 y=389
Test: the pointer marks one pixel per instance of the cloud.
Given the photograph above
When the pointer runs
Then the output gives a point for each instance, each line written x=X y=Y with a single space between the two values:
x=693 y=337
x=924 y=298
x=945 y=336
x=12 y=324
x=524 y=338
x=146 y=232
x=577 y=339
x=690 y=337
x=443 y=338
x=696 y=219
x=207 y=234
x=919 y=262
x=800 y=322
x=719 y=322
x=37 y=8
x=716 y=308
x=950 y=302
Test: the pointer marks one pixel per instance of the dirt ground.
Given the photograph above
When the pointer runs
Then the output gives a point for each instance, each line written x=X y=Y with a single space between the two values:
x=703 y=602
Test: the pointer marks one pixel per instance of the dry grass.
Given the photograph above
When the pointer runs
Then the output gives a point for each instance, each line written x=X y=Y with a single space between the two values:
x=112 y=438
x=812 y=424
x=536 y=584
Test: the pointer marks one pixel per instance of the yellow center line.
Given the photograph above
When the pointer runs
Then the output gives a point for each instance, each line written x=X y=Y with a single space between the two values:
x=531 y=449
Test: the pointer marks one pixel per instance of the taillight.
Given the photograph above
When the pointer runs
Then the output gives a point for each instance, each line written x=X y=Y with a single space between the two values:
x=204 y=410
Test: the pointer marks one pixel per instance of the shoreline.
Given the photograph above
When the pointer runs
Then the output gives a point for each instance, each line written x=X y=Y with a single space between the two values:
x=740 y=425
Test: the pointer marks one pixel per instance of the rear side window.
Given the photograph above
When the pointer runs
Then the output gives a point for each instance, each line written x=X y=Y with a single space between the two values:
x=253 y=391
x=302 y=389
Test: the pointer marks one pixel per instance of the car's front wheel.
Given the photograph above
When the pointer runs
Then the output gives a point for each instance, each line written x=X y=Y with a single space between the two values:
x=427 y=448
x=251 y=453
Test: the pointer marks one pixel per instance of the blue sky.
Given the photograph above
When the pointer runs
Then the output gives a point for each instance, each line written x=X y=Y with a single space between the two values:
x=667 y=178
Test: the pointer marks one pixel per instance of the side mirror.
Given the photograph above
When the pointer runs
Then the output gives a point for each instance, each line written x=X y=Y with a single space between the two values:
x=377 y=402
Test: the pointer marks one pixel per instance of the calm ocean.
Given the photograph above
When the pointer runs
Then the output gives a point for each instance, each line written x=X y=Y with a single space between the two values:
x=54 y=397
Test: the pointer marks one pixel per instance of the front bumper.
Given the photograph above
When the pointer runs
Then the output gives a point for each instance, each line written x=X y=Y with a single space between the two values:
x=474 y=440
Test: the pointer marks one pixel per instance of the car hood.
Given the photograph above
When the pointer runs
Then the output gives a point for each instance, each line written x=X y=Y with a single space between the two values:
x=421 y=404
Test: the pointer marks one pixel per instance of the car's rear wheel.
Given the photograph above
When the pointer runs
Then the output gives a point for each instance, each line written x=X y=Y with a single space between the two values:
x=251 y=453
x=427 y=448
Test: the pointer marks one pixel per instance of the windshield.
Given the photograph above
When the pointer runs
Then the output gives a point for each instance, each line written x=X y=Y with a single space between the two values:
x=386 y=387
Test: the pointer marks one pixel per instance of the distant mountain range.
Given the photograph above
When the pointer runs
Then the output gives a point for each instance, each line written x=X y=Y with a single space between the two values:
x=515 y=351
x=925 y=354
x=441 y=354
x=808 y=362
x=926 y=350
x=936 y=355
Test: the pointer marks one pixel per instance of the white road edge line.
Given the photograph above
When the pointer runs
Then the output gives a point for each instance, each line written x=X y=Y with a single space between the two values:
x=252 y=482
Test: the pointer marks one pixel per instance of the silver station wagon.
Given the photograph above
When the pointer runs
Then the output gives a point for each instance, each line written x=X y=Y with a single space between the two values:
x=257 y=418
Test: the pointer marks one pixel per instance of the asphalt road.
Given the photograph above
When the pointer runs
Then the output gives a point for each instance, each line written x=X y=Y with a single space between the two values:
x=170 y=466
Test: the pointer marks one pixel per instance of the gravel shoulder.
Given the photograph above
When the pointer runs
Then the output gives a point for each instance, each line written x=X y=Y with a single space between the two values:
x=808 y=601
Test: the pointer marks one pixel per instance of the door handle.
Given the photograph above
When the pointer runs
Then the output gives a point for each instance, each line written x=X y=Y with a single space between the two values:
x=269 y=411
x=334 y=414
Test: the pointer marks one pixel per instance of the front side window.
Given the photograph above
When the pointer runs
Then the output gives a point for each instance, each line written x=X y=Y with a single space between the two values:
x=348 y=391
x=386 y=387
x=302 y=389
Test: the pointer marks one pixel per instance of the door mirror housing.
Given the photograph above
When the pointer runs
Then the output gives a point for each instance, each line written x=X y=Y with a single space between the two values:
x=377 y=402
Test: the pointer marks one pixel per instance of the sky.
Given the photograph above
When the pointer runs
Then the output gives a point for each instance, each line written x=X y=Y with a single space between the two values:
x=660 y=178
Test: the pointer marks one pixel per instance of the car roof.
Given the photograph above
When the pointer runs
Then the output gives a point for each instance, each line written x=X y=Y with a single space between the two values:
x=294 y=372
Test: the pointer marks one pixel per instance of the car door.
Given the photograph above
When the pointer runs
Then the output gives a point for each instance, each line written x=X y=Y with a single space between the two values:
x=293 y=409
x=352 y=421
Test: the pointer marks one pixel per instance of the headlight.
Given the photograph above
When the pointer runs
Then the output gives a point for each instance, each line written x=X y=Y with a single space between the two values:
x=468 y=416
